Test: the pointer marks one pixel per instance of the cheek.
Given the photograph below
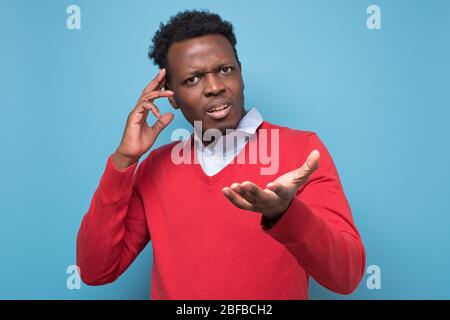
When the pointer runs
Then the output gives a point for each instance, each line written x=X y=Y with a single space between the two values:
x=191 y=101
x=237 y=82
x=237 y=87
x=185 y=97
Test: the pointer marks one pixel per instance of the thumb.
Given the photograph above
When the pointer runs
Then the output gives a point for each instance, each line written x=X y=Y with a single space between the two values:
x=313 y=160
x=310 y=165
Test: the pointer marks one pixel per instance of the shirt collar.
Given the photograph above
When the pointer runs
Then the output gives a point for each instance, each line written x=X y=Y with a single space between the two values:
x=248 y=124
x=250 y=121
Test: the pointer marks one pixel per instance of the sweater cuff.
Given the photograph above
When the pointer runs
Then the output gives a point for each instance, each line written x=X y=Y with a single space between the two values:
x=117 y=184
x=294 y=223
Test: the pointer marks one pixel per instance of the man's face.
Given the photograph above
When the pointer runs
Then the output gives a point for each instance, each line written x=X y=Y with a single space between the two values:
x=207 y=81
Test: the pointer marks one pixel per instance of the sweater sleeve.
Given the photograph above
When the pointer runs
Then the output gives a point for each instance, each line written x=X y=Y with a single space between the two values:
x=114 y=230
x=318 y=228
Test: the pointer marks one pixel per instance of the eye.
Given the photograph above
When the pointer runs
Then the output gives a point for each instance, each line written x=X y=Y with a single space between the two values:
x=226 y=70
x=192 y=80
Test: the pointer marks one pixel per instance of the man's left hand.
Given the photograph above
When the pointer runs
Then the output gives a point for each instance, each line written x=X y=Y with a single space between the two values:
x=278 y=194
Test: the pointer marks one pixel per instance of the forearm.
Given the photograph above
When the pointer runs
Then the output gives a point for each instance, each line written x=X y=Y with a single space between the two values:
x=331 y=252
x=99 y=241
x=101 y=255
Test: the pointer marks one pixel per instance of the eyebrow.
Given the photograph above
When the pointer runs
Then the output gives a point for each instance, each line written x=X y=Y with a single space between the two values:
x=201 y=71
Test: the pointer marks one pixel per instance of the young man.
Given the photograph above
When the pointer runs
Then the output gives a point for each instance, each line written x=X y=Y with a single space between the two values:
x=220 y=228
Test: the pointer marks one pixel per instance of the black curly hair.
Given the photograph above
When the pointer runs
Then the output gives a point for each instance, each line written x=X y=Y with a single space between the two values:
x=187 y=25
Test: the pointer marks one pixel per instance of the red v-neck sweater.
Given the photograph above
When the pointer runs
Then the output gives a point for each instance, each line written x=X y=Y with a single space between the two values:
x=206 y=248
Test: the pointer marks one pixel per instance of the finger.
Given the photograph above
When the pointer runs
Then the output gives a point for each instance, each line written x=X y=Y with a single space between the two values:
x=144 y=107
x=313 y=160
x=140 y=107
x=280 y=190
x=151 y=107
x=162 y=83
x=236 y=199
x=236 y=187
x=157 y=82
x=150 y=96
x=311 y=164
x=254 y=190
x=162 y=122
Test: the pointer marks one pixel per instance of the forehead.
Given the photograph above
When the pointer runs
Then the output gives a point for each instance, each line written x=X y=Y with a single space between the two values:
x=199 y=53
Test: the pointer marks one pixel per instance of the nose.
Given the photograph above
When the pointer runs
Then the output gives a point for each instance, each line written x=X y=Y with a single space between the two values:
x=213 y=85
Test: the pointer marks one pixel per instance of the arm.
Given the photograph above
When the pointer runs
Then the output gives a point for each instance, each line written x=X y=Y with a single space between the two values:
x=114 y=230
x=306 y=211
x=318 y=229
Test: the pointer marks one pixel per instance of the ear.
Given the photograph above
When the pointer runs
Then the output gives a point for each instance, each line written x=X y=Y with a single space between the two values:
x=171 y=99
x=174 y=103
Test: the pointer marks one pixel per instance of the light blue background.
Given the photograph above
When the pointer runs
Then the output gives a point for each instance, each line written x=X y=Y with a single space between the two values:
x=378 y=99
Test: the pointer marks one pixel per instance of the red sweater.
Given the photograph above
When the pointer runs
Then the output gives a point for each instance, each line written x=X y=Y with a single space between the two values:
x=206 y=248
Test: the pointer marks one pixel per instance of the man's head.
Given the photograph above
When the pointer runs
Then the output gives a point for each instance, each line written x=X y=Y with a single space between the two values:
x=197 y=48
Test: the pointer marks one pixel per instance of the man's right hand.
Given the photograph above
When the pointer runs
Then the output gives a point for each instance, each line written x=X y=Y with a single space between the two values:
x=138 y=136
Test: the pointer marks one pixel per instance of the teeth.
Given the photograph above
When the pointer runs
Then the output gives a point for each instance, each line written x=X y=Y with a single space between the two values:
x=218 y=109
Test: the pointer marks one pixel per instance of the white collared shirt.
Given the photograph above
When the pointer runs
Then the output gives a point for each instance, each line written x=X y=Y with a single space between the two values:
x=214 y=158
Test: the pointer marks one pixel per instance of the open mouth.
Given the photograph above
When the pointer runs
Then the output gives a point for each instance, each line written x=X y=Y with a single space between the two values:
x=219 y=112
x=218 y=108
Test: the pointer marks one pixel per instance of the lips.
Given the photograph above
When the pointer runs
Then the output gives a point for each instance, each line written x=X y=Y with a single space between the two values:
x=219 y=110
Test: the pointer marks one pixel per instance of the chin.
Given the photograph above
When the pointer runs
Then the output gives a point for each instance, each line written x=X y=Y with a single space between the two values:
x=230 y=122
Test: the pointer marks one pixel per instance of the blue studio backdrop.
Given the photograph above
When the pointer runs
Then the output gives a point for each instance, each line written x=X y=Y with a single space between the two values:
x=377 y=93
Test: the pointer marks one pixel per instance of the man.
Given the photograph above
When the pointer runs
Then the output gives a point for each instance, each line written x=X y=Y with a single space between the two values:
x=219 y=229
